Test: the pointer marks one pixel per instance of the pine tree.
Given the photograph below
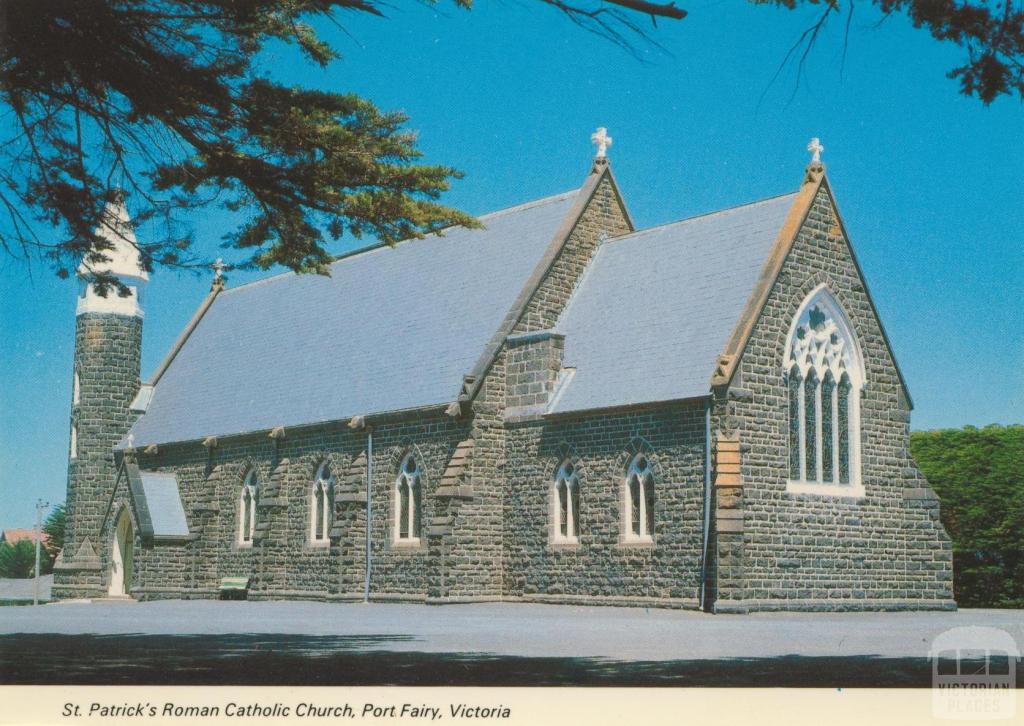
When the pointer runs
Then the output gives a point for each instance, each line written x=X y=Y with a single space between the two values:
x=53 y=528
x=165 y=99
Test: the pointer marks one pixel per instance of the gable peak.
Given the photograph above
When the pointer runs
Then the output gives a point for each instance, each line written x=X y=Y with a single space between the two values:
x=815 y=169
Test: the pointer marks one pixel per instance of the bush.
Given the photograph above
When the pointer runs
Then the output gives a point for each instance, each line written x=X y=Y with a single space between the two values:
x=979 y=477
x=19 y=559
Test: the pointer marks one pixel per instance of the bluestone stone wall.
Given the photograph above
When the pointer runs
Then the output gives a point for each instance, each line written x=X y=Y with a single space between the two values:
x=887 y=549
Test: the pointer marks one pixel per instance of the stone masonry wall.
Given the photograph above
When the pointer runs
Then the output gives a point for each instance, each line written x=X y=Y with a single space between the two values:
x=107 y=360
x=602 y=568
x=282 y=562
x=534 y=361
x=887 y=549
x=603 y=218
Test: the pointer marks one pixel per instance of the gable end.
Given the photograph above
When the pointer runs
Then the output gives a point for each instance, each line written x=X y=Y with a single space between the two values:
x=814 y=182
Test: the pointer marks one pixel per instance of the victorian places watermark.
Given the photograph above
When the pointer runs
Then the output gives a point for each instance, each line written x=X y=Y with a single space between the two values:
x=974 y=674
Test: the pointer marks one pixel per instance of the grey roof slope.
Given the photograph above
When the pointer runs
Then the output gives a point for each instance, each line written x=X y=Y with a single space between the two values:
x=656 y=307
x=393 y=328
x=163 y=501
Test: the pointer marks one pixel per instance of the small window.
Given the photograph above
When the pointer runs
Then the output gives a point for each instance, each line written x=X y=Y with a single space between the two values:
x=74 y=441
x=76 y=390
x=408 y=502
x=565 y=505
x=321 y=505
x=247 y=502
x=639 y=500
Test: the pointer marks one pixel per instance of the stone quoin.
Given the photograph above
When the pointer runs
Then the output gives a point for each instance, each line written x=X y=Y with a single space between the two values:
x=556 y=408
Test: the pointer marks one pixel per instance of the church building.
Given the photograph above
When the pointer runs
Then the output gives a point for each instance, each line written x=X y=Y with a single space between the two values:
x=555 y=408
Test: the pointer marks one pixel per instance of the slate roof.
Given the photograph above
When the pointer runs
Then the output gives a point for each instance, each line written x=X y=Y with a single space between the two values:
x=393 y=328
x=163 y=500
x=656 y=307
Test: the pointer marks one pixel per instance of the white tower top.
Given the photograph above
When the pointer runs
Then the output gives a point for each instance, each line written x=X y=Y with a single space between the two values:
x=601 y=140
x=116 y=228
x=124 y=263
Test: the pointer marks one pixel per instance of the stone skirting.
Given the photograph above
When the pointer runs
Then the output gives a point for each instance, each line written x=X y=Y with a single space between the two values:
x=741 y=607
x=668 y=603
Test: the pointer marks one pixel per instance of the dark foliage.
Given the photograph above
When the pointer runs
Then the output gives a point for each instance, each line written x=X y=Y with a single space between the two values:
x=165 y=100
x=18 y=559
x=979 y=477
x=991 y=34
x=53 y=528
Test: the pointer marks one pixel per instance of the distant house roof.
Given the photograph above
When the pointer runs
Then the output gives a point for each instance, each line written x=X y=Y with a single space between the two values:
x=393 y=328
x=656 y=307
x=12 y=536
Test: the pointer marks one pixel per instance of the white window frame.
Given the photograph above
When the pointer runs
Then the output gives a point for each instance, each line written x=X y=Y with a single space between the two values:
x=567 y=474
x=74 y=442
x=76 y=390
x=842 y=358
x=250 y=484
x=414 y=480
x=641 y=468
x=324 y=485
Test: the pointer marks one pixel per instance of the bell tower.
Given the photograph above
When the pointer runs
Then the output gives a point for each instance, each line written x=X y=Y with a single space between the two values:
x=108 y=352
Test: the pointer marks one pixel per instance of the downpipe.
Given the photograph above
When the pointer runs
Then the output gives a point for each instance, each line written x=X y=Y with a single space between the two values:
x=369 y=512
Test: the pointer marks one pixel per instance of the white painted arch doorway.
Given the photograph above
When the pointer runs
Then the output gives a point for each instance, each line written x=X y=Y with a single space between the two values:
x=121 y=555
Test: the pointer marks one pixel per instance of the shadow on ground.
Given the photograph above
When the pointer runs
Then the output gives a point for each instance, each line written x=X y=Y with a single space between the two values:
x=371 y=660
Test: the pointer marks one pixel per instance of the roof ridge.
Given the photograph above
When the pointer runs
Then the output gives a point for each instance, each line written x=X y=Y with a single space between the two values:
x=685 y=220
x=379 y=245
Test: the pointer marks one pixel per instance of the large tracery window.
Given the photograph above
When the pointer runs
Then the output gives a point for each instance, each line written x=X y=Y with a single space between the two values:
x=824 y=375
x=408 y=502
x=247 y=502
x=321 y=505
x=639 y=500
x=566 y=505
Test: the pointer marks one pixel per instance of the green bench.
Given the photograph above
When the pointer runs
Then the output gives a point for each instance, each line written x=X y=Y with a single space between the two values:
x=234 y=588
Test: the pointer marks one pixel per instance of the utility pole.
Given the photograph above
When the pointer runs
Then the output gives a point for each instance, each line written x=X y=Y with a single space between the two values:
x=40 y=506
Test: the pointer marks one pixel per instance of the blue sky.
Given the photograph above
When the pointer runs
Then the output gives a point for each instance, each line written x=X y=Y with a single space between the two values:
x=929 y=182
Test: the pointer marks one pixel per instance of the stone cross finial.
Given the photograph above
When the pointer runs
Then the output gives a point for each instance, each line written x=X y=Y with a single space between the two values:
x=218 y=269
x=601 y=140
x=815 y=148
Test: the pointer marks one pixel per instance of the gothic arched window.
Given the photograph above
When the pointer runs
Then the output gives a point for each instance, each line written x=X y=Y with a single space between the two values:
x=566 y=504
x=639 y=500
x=824 y=375
x=247 y=501
x=321 y=505
x=408 y=501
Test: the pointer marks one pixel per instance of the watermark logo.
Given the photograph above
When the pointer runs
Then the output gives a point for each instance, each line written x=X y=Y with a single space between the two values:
x=974 y=671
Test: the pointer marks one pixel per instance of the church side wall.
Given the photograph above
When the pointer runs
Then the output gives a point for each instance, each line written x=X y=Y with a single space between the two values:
x=282 y=562
x=601 y=568
x=885 y=550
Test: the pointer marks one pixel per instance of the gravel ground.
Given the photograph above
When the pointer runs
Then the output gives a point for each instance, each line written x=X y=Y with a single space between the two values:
x=482 y=644
x=526 y=629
